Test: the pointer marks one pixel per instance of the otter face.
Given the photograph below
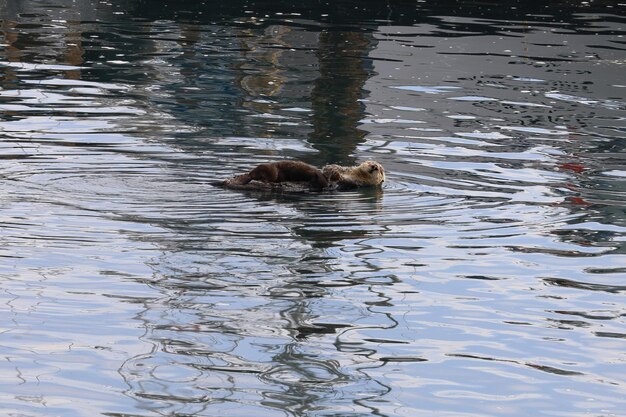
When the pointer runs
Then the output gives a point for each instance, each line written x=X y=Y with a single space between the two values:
x=374 y=170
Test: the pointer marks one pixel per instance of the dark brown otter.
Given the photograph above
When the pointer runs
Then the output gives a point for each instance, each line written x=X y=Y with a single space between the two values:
x=283 y=171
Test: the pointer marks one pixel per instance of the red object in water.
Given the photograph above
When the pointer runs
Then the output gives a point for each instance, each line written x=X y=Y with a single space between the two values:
x=579 y=201
x=573 y=166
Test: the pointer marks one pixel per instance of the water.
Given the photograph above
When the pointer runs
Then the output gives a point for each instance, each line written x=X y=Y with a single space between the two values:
x=486 y=278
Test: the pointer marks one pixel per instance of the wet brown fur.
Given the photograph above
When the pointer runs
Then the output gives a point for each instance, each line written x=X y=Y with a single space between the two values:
x=283 y=171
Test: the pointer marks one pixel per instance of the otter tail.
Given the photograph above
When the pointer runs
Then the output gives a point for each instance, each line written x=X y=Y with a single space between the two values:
x=241 y=179
x=220 y=183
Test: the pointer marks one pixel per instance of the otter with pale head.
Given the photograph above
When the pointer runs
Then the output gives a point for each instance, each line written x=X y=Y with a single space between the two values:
x=369 y=173
x=297 y=176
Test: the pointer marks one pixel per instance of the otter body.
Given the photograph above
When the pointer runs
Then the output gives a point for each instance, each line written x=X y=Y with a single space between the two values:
x=299 y=177
x=369 y=173
x=284 y=171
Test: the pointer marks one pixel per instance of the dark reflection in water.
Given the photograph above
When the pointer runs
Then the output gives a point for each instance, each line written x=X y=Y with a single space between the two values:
x=485 y=278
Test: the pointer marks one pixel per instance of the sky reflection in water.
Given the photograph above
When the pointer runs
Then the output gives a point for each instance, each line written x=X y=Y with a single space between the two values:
x=485 y=278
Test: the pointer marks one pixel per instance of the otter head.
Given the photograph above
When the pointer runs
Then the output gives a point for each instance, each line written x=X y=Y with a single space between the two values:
x=374 y=171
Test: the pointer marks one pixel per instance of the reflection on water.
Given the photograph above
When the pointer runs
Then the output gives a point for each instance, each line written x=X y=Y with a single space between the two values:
x=486 y=278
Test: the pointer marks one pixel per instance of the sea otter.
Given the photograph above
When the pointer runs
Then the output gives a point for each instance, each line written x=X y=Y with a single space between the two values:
x=299 y=177
x=369 y=173
x=286 y=171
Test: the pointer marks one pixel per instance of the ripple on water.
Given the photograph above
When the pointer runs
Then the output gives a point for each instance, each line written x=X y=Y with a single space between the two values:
x=483 y=278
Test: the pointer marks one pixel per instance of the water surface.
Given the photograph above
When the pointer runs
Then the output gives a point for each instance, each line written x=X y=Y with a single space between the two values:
x=486 y=277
